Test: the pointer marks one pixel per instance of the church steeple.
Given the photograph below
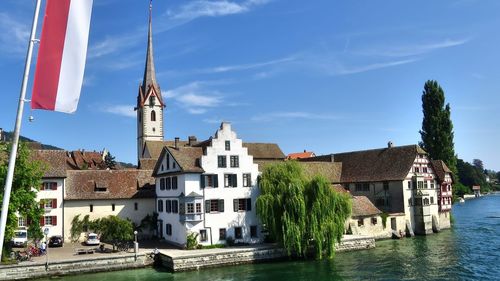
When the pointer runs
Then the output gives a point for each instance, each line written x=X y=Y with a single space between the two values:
x=149 y=69
x=149 y=100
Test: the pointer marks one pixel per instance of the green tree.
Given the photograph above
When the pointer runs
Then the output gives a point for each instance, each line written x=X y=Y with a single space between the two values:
x=26 y=183
x=113 y=229
x=110 y=162
x=300 y=213
x=437 y=127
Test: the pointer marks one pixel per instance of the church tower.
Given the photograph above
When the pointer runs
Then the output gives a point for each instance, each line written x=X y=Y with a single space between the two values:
x=149 y=101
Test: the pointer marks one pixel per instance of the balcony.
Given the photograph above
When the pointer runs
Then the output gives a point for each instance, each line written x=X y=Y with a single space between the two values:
x=191 y=217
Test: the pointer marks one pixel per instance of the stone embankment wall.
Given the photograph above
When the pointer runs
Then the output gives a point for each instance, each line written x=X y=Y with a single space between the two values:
x=26 y=271
x=249 y=255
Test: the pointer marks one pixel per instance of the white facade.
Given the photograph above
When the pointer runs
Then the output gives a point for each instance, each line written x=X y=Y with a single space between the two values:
x=50 y=198
x=133 y=209
x=149 y=121
x=219 y=201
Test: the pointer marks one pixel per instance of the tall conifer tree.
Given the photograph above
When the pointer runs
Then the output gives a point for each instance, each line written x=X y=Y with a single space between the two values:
x=437 y=127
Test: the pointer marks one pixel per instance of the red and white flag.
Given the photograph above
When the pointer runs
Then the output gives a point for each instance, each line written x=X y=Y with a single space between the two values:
x=62 y=54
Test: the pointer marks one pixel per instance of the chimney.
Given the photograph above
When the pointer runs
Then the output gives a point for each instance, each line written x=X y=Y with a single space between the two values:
x=191 y=140
x=305 y=151
x=390 y=144
x=176 y=143
x=332 y=158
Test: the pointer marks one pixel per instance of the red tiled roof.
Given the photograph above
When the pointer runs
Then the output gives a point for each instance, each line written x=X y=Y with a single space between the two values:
x=301 y=155
x=363 y=207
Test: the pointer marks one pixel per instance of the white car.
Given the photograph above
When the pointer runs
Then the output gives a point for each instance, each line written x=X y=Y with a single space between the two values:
x=92 y=239
x=20 y=238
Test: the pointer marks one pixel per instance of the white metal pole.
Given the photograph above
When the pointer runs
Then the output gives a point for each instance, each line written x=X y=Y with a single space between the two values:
x=17 y=129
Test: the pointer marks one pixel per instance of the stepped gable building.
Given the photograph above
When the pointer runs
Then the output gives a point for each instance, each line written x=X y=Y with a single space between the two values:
x=397 y=180
x=209 y=189
x=149 y=101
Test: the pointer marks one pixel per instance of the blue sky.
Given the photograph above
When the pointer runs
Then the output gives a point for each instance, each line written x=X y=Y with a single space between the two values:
x=327 y=76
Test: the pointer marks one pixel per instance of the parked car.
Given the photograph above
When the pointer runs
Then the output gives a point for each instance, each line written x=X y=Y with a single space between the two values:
x=20 y=238
x=56 y=241
x=92 y=239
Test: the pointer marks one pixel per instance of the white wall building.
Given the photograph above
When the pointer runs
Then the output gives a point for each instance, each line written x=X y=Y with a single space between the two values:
x=208 y=189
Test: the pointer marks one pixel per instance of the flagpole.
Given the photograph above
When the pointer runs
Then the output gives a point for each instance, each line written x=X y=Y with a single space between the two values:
x=17 y=129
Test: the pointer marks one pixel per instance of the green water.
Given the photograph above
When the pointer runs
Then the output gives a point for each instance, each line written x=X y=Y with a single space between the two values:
x=470 y=251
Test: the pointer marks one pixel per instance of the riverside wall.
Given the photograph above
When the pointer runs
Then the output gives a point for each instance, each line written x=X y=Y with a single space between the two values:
x=28 y=271
x=224 y=257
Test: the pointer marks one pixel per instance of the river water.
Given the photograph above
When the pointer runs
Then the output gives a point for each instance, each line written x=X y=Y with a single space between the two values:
x=469 y=251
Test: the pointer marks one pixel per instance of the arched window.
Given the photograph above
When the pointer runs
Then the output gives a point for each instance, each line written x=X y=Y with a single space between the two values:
x=153 y=115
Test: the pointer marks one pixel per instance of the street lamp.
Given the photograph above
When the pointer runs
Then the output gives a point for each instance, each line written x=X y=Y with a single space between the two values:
x=46 y=232
x=136 y=245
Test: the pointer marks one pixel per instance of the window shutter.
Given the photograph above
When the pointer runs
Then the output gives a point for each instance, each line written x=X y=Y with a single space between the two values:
x=249 y=204
x=202 y=181
x=207 y=206
x=235 y=205
x=42 y=206
x=42 y=221
x=215 y=180
x=54 y=203
x=54 y=186
x=54 y=220
x=221 y=205
x=234 y=180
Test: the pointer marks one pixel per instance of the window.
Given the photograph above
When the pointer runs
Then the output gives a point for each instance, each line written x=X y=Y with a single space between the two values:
x=168 y=161
x=247 y=180
x=203 y=235
x=221 y=161
x=153 y=115
x=253 y=231
x=346 y=186
x=235 y=161
x=168 y=206
x=152 y=100
x=432 y=200
x=49 y=203
x=175 y=206
x=198 y=208
x=113 y=207
x=173 y=165
x=162 y=184
x=49 y=186
x=91 y=208
x=228 y=145
x=386 y=185
x=380 y=202
x=214 y=206
x=136 y=206
x=209 y=181
x=361 y=222
x=49 y=220
x=426 y=185
x=374 y=221
x=21 y=222
x=409 y=184
x=432 y=185
x=160 y=206
x=174 y=182
x=189 y=208
x=424 y=169
x=168 y=229
x=169 y=183
x=230 y=180
x=409 y=202
x=244 y=204
x=363 y=187
x=222 y=234
x=238 y=233
x=100 y=189
x=420 y=184
x=426 y=201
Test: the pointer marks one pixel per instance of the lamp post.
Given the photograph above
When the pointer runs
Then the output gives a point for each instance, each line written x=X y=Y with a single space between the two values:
x=46 y=232
x=136 y=245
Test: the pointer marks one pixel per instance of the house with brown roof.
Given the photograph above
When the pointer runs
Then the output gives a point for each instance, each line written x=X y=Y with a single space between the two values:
x=397 y=180
x=210 y=189
x=445 y=197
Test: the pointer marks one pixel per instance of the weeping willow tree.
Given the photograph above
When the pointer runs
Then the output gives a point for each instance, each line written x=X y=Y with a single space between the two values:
x=300 y=213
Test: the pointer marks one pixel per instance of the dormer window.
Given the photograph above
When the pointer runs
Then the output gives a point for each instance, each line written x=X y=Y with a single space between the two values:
x=100 y=189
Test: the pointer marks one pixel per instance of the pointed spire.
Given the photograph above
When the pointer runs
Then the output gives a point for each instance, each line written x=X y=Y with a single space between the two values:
x=149 y=70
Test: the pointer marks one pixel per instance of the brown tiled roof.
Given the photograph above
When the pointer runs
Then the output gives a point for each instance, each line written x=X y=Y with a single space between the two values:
x=301 y=155
x=188 y=158
x=147 y=163
x=363 y=207
x=155 y=147
x=53 y=161
x=261 y=151
x=120 y=184
x=385 y=164
x=440 y=169
x=84 y=160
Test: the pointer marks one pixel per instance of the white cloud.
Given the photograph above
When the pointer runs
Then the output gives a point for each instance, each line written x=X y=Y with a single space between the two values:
x=344 y=70
x=123 y=110
x=195 y=97
x=241 y=67
x=14 y=35
x=205 y=8
x=293 y=115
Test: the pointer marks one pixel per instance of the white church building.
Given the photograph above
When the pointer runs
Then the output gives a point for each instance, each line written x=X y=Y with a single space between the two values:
x=208 y=189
